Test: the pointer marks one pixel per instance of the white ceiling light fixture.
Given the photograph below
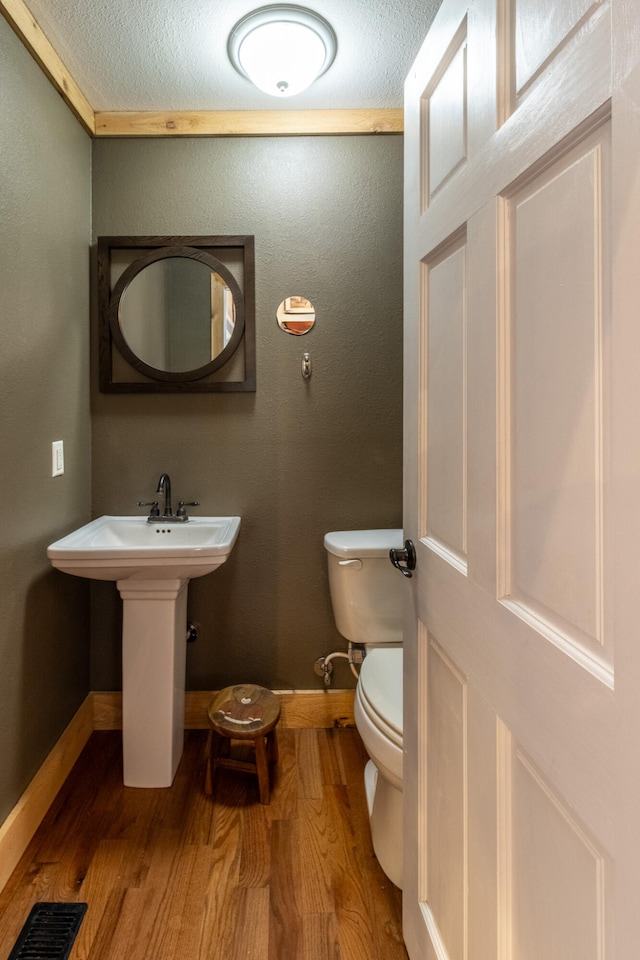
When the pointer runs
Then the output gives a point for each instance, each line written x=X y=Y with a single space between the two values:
x=282 y=49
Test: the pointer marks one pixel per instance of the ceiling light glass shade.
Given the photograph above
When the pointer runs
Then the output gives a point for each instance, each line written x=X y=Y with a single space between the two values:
x=282 y=49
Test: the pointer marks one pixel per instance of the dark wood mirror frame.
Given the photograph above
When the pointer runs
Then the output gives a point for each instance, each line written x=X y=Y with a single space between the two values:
x=221 y=374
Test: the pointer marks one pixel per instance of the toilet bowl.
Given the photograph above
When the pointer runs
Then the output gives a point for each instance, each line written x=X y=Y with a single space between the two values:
x=367 y=597
x=378 y=715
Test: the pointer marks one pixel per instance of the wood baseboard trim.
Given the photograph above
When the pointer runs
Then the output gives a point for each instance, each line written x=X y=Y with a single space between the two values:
x=300 y=708
x=103 y=711
x=25 y=818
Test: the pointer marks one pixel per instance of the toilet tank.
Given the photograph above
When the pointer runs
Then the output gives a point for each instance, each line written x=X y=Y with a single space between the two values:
x=366 y=591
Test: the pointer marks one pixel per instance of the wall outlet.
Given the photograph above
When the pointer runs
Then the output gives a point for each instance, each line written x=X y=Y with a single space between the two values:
x=57 y=458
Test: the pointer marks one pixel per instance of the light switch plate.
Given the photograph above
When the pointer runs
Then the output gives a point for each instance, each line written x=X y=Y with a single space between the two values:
x=57 y=458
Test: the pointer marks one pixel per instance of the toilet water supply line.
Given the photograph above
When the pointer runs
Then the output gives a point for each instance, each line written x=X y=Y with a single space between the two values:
x=324 y=667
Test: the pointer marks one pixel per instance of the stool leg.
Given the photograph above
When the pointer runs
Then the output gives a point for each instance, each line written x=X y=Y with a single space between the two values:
x=273 y=746
x=262 y=768
x=208 y=779
x=216 y=748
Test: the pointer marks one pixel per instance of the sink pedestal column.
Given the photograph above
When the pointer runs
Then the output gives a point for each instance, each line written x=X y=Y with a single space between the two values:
x=154 y=649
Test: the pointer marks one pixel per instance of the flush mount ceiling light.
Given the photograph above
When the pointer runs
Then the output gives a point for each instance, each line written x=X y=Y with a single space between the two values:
x=282 y=49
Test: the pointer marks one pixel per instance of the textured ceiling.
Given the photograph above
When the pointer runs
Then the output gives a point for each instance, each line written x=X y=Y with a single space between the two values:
x=168 y=55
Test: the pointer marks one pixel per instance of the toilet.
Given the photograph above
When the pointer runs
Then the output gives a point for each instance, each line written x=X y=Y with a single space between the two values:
x=367 y=597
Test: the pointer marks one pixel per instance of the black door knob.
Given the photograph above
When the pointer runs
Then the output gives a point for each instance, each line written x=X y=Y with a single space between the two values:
x=404 y=560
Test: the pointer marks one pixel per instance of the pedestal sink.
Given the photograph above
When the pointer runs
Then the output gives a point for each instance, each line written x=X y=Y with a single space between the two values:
x=152 y=564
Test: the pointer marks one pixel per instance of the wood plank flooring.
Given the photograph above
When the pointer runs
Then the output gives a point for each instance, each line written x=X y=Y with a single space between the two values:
x=175 y=875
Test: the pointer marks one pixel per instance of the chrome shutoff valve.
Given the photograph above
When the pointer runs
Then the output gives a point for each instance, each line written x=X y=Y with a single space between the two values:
x=323 y=668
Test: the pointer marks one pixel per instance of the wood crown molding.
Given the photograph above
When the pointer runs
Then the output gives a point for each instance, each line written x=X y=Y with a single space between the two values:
x=191 y=123
x=27 y=29
x=250 y=123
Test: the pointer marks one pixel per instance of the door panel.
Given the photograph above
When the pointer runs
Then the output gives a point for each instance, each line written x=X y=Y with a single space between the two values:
x=446 y=800
x=541 y=29
x=522 y=482
x=557 y=873
x=556 y=293
x=446 y=470
x=447 y=107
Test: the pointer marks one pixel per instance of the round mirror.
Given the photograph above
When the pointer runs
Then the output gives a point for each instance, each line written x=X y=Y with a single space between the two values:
x=177 y=314
x=296 y=315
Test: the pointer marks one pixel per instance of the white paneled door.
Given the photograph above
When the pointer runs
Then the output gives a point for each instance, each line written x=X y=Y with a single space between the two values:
x=522 y=489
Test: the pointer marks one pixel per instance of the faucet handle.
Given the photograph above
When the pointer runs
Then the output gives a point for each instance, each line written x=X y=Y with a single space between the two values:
x=186 y=503
x=155 y=509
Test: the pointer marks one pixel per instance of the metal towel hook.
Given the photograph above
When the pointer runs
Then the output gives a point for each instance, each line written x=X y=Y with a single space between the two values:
x=406 y=556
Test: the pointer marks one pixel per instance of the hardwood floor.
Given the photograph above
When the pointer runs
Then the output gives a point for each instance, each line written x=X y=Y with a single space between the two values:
x=175 y=875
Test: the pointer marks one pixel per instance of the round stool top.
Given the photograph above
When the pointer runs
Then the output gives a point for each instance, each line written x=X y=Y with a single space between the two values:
x=244 y=711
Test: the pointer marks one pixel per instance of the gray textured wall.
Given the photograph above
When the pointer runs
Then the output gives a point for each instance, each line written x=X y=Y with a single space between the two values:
x=296 y=458
x=45 y=169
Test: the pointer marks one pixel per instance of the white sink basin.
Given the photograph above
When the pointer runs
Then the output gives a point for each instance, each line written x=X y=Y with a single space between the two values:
x=130 y=548
x=152 y=564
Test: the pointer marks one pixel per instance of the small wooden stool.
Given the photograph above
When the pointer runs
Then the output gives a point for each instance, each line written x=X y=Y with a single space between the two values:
x=243 y=712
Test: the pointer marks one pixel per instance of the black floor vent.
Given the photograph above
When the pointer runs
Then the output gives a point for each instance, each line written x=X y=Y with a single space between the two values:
x=49 y=932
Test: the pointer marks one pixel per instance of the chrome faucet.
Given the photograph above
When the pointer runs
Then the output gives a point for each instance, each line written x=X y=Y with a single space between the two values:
x=164 y=486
